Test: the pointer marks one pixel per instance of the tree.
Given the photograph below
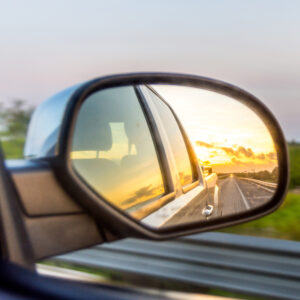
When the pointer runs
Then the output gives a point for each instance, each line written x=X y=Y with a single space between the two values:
x=16 y=118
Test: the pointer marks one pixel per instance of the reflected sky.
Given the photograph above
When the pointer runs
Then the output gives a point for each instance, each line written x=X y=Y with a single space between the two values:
x=113 y=151
x=226 y=134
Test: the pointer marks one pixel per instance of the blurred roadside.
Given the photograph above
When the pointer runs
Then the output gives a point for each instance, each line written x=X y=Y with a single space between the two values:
x=14 y=120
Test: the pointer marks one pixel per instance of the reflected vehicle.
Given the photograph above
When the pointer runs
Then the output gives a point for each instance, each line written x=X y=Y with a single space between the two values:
x=170 y=155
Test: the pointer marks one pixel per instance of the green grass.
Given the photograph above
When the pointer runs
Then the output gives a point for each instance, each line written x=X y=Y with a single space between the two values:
x=13 y=149
x=294 y=152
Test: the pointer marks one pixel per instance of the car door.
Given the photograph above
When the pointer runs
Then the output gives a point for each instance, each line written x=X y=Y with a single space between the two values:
x=148 y=169
x=192 y=200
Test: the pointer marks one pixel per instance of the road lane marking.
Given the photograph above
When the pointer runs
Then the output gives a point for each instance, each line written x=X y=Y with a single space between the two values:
x=216 y=196
x=242 y=195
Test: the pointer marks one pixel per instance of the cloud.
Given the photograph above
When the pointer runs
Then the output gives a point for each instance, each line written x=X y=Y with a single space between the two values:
x=203 y=144
x=239 y=152
x=147 y=191
x=228 y=150
x=246 y=152
x=236 y=161
x=261 y=156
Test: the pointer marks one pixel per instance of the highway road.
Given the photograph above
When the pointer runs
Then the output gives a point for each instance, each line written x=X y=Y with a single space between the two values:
x=233 y=195
x=236 y=195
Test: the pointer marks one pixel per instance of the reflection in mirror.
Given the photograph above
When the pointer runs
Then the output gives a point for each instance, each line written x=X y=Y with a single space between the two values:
x=113 y=149
x=220 y=161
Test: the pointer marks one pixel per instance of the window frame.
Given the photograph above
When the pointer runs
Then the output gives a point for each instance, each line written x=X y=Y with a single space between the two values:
x=169 y=193
x=197 y=176
x=157 y=142
x=172 y=188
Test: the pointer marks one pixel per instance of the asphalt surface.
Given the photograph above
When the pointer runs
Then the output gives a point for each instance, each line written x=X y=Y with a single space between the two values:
x=234 y=196
x=237 y=195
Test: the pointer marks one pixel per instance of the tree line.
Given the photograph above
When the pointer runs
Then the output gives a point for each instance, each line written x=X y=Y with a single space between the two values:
x=14 y=118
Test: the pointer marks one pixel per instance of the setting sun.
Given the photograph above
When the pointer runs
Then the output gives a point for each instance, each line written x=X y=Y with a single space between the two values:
x=226 y=134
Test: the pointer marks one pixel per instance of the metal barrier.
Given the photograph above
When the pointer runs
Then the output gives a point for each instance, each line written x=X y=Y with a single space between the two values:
x=250 y=265
x=262 y=183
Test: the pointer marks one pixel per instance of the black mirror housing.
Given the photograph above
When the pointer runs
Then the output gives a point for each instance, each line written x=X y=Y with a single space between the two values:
x=54 y=144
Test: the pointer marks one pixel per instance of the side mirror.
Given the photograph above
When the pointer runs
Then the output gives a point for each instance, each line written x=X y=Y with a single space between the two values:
x=127 y=148
x=206 y=170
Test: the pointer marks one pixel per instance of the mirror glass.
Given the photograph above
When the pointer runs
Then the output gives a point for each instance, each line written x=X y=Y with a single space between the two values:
x=170 y=155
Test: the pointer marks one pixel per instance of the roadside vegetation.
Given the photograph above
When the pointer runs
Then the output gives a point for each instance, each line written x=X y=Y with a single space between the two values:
x=261 y=175
x=13 y=148
x=14 y=121
x=294 y=151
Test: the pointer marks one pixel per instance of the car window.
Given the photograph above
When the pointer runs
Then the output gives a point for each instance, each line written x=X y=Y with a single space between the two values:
x=175 y=137
x=113 y=150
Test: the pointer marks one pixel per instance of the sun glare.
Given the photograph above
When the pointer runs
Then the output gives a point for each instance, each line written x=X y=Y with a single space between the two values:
x=226 y=134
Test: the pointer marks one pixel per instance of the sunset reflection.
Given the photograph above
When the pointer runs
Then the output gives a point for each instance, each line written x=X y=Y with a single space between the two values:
x=124 y=188
x=226 y=134
x=113 y=150
x=126 y=159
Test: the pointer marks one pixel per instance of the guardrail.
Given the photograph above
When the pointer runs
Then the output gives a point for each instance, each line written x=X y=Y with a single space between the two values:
x=250 y=265
x=259 y=182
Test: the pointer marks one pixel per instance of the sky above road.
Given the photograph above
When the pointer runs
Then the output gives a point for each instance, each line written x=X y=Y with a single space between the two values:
x=46 y=47
x=226 y=134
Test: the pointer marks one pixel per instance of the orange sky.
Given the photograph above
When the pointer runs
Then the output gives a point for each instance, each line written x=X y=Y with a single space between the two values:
x=226 y=134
